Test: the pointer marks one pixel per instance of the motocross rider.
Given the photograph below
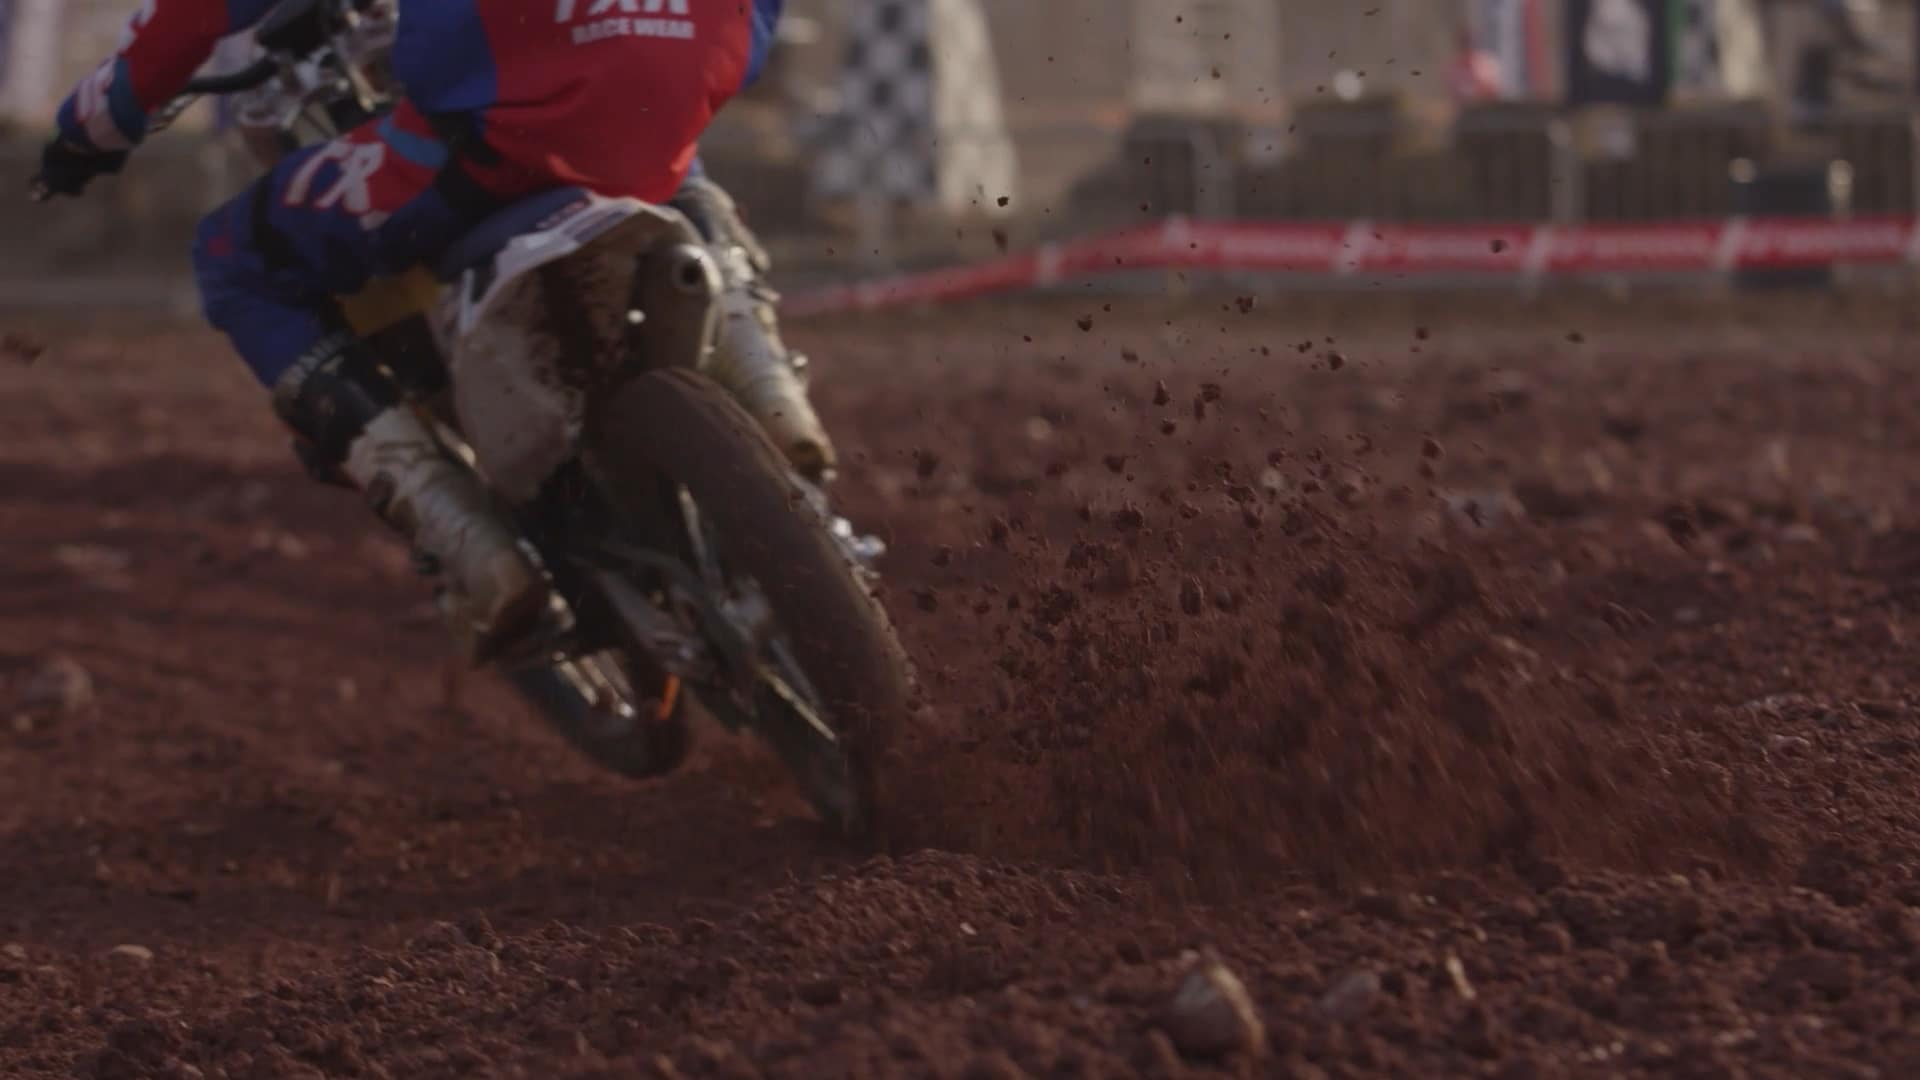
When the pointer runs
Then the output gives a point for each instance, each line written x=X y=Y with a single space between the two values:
x=504 y=98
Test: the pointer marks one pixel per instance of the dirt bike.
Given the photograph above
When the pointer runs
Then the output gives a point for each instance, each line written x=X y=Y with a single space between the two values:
x=558 y=349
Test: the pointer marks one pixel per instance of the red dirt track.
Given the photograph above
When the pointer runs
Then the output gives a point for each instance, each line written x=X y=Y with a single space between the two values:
x=1495 y=692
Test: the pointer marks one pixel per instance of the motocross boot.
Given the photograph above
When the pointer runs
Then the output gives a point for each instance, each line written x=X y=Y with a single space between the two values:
x=354 y=422
x=750 y=360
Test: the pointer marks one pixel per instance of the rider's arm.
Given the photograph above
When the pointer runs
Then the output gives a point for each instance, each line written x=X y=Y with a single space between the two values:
x=766 y=23
x=164 y=44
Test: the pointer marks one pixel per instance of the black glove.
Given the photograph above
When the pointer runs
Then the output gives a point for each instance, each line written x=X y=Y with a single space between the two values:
x=66 y=169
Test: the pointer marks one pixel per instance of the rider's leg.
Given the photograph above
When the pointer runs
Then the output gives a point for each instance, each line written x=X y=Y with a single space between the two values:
x=750 y=359
x=270 y=262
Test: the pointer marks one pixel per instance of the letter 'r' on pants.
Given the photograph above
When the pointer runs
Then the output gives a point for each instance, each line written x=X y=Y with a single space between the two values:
x=324 y=222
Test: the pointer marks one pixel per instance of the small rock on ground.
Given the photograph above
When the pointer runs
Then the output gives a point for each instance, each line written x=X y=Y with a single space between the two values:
x=1351 y=996
x=59 y=683
x=1211 y=1014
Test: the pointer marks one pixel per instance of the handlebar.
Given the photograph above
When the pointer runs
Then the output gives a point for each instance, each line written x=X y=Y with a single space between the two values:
x=293 y=28
x=254 y=75
x=257 y=74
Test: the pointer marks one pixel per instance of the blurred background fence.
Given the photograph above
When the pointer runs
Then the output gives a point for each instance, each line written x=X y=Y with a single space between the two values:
x=1016 y=122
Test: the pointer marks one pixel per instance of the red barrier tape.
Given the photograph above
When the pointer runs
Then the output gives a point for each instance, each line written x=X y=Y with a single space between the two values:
x=1360 y=248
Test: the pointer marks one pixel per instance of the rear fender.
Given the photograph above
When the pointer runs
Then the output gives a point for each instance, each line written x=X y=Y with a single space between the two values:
x=558 y=317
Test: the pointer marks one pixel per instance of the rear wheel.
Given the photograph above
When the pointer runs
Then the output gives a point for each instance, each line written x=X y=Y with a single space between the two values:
x=829 y=684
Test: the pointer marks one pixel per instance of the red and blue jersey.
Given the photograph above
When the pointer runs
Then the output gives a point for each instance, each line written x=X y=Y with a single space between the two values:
x=611 y=95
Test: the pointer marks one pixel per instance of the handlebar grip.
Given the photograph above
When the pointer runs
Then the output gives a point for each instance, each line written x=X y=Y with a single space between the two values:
x=255 y=74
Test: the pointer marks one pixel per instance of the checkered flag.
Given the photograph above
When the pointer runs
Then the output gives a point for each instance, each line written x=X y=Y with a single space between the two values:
x=921 y=120
x=882 y=141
